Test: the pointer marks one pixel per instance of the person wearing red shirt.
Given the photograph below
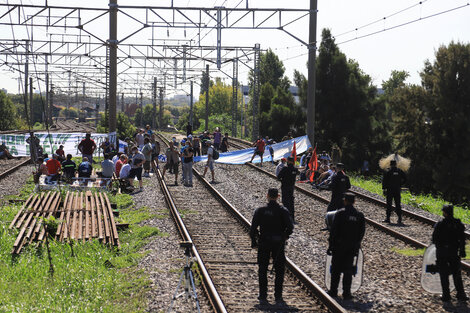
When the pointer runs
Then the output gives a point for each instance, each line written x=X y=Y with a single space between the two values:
x=60 y=153
x=259 y=149
x=122 y=160
x=87 y=146
x=53 y=167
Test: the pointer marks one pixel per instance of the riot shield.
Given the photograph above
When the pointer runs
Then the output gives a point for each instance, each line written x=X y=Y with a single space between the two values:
x=357 y=273
x=430 y=279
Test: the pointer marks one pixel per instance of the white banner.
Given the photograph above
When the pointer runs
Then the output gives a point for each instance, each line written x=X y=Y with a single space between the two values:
x=17 y=145
x=281 y=150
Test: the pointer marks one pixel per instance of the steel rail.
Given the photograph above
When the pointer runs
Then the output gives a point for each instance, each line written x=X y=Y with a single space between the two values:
x=406 y=239
x=209 y=287
x=313 y=287
x=419 y=217
x=14 y=168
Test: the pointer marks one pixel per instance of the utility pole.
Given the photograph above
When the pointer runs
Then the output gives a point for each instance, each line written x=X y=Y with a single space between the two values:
x=191 y=105
x=255 y=99
x=160 y=113
x=154 y=102
x=112 y=44
x=26 y=77
x=234 y=97
x=31 y=100
x=312 y=50
x=123 y=108
x=207 y=97
x=48 y=108
x=141 y=106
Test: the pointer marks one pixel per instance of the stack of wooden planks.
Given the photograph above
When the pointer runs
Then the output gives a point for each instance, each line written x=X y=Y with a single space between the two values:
x=83 y=216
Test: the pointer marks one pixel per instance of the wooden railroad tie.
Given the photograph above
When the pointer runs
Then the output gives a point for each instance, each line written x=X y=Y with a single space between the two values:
x=82 y=216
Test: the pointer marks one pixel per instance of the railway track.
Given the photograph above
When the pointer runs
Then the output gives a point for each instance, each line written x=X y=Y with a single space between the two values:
x=10 y=166
x=222 y=245
x=416 y=218
x=414 y=233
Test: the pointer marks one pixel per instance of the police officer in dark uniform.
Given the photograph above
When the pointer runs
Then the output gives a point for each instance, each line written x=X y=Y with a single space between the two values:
x=392 y=181
x=339 y=185
x=275 y=228
x=345 y=239
x=287 y=176
x=449 y=238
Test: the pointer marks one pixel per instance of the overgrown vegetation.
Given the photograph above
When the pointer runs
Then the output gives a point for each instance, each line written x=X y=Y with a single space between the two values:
x=426 y=202
x=85 y=282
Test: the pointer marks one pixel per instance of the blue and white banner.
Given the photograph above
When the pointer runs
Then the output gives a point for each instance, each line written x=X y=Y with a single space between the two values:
x=281 y=150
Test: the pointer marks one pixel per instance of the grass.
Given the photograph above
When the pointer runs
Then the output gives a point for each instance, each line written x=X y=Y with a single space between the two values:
x=425 y=202
x=409 y=252
x=82 y=283
x=420 y=252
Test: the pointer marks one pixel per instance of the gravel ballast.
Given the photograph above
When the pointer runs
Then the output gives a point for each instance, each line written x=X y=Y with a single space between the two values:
x=391 y=280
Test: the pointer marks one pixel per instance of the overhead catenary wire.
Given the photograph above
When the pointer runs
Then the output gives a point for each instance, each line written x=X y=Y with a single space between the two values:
x=390 y=28
x=380 y=19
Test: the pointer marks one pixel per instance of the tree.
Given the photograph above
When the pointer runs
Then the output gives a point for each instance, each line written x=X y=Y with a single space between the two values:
x=344 y=102
x=447 y=82
x=8 y=119
x=412 y=134
x=302 y=83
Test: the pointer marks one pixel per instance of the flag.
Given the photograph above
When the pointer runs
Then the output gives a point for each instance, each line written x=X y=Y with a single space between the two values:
x=294 y=153
x=313 y=164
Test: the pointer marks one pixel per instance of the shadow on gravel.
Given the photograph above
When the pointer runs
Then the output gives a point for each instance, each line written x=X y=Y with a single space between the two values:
x=276 y=308
x=356 y=306
x=402 y=225
x=460 y=307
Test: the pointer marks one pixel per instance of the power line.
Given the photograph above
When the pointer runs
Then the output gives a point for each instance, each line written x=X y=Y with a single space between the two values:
x=380 y=19
x=406 y=23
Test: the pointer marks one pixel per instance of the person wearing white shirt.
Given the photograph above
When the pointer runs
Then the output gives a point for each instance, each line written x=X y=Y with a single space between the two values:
x=280 y=166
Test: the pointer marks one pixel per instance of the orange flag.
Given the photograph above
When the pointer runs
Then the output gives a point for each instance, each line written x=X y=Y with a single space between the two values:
x=313 y=164
x=294 y=153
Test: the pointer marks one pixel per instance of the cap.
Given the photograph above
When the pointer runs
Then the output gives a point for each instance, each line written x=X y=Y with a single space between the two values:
x=339 y=165
x=448 y=208
x=284 y=159
x=349 y=196
x=273 y=192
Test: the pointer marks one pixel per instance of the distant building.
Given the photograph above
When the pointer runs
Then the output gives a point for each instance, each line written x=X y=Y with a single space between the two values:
x=4 y=90
x=294 y=90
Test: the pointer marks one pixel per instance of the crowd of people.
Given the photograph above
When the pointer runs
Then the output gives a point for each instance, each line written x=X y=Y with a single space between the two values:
x=274 y=223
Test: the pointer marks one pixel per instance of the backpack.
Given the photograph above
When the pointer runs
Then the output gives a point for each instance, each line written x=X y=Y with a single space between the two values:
x=215 y=154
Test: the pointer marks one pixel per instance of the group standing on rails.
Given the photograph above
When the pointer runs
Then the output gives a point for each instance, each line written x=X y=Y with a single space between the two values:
x=274 y=223
x=347 y=229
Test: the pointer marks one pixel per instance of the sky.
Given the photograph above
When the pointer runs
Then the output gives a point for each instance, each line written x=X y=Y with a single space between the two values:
x=400 y=48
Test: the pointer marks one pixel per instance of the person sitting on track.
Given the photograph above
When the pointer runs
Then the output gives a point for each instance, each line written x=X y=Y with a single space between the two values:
x=60 y=153
x=69 y=167
x=42 y=170
x=120 y=163
x=4 y=153
x=85 y=168
x=107 y=167
x=53 y=168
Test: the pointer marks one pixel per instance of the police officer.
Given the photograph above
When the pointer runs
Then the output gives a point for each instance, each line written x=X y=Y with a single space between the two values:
x=339 y=184
x=449 y=238
x=345 y=239
x=275 y=228
x=392 y=181
x=287 y=176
